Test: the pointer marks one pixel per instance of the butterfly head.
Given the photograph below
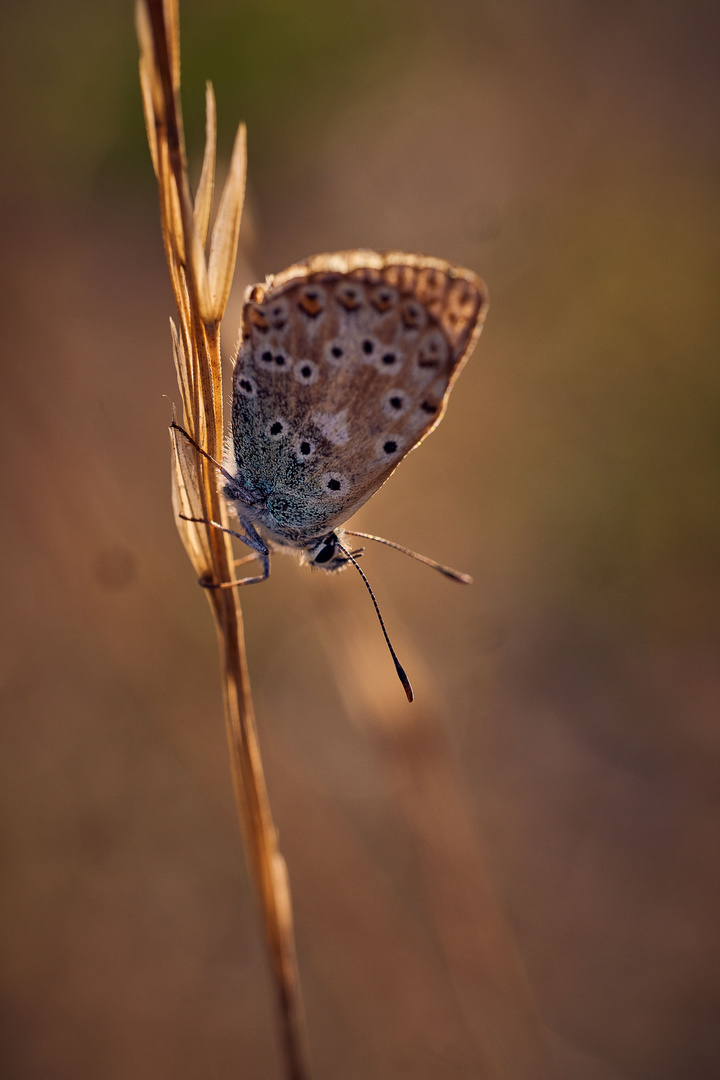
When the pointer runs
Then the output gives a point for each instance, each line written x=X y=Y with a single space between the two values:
x=327 y=554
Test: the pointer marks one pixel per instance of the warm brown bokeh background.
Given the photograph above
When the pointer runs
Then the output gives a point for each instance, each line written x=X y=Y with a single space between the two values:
x=569 y=153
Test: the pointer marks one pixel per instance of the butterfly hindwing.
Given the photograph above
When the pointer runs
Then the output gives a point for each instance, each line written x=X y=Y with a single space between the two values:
x=345 y=365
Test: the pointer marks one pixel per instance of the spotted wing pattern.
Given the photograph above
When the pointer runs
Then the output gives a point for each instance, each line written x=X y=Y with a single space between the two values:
x=345 y=364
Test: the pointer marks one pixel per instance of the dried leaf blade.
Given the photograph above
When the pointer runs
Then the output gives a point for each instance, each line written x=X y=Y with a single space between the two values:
x=206 y=187
x=223 y=247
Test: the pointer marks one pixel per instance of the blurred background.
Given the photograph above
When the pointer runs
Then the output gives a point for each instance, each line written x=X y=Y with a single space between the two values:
x=542 y=828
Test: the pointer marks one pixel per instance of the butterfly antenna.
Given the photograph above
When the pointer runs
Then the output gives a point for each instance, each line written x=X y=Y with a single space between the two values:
x=200 y=450
x=455 y=575
x=398 y=666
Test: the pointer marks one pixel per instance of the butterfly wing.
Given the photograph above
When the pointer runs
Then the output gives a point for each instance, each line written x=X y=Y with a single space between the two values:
x=346 y=363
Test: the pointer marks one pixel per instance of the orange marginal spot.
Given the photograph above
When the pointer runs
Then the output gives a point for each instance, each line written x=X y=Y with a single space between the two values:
x=349 y=299
x=310 y=304
x=411 y=315
x=257 y=318
x=382 y=301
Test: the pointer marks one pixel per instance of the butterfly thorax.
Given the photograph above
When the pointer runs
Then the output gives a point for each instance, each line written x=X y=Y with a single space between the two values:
x=277 y=514
x=281 y=514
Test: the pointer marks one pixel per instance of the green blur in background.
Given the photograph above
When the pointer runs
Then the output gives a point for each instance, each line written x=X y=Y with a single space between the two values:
x=568 y=153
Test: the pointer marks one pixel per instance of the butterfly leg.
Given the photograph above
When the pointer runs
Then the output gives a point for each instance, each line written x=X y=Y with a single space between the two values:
x=249 y=537
x=245 y=559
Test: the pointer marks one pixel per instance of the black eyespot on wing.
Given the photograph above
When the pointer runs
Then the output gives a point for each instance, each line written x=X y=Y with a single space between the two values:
x=281 y=361
x=277 y=429
x=370 y=350
x=428 y=407
x=388 y=362
x=335 y=353
x=304 y=447
x=335 y=484
x=245 y=385
x=388 y=446
x=395 y=402
x=306 y=372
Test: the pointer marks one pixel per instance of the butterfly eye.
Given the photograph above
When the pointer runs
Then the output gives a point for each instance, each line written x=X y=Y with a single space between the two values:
x=395 y=403
x=325 y=553
x=306 y=372
x=335 y=484
x=245 y=385
x=350 y=296
x=414 y=316
x=277 y=429
x=304 y=448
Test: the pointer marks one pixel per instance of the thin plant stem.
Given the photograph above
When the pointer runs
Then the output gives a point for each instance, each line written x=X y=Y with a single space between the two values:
x=201 y=291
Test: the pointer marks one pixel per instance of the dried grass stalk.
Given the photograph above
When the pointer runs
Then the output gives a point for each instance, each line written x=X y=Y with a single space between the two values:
x=201 y=291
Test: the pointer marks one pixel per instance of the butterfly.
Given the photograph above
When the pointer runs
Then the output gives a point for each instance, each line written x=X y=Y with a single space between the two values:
x=345 y=364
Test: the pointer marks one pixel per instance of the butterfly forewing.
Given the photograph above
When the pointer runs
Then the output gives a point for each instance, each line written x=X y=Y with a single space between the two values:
x=345 y=365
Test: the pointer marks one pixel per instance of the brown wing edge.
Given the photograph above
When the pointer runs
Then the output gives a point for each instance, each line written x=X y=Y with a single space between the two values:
x=345 y=262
